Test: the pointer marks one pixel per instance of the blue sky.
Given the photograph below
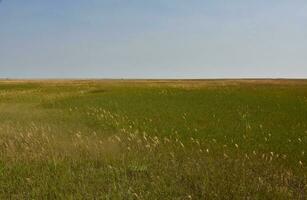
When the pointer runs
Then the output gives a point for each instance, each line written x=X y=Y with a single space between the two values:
x=153 y=38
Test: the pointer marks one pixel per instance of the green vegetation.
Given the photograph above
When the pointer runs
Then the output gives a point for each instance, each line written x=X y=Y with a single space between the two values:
x=153 y=139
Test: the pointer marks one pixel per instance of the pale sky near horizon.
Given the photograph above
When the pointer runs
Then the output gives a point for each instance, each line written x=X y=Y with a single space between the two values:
x=153 y=39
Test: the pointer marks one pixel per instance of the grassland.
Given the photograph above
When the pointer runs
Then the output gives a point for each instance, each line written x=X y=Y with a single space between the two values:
x=87 y=139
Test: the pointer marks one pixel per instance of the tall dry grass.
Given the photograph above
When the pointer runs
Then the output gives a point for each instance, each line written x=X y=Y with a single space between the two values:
x=37 y=164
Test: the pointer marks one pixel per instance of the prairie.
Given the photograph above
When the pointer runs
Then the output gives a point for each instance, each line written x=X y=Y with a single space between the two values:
x=153 y=139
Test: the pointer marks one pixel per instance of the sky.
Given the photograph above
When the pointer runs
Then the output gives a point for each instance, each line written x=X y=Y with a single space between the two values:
x=153 y=39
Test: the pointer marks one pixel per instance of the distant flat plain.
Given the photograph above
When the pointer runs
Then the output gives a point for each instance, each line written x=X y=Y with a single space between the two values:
x=153 y=139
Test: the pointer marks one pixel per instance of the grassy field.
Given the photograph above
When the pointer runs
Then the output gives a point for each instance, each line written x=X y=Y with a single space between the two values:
x=87 y=139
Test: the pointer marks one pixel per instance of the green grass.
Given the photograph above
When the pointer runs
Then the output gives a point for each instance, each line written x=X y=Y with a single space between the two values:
x=153 y=139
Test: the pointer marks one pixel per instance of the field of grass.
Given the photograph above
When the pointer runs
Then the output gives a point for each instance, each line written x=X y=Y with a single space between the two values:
x=87 y=139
